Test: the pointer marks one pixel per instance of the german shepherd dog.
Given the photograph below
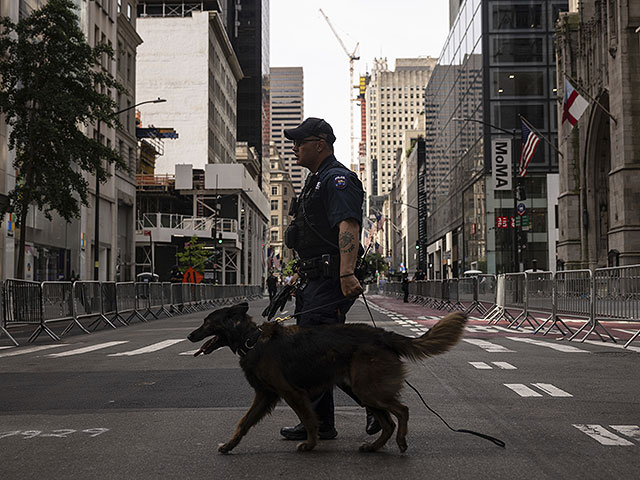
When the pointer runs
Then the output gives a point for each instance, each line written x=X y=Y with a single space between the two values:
x=294 y=362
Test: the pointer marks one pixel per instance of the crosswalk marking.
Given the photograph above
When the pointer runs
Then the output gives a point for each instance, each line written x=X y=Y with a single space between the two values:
x=150 y=348
x=613 y=345
x=552 y=390
x=488 y=346
x=555 y=346
x=481 y=365
x=522 y=390
x=90 y=348
x=631 y=431
x=31 y=350
x=486 y=366
x=602 y=435
x=504 y=365
x=511 y=330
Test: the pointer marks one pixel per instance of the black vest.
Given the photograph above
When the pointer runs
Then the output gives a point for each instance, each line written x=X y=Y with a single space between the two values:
x=315 y=235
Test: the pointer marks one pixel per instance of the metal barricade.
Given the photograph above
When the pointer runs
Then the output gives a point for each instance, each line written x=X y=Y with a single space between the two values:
x=468 y=295
x=513 y=287
x=616 y=296
x=538 y=298
x=155 y=298
x=571 y=299
x=126 y=302
x=110 y=302
x=4 y=328
x=23 y=306
x=87 y=303
x=57 y=305
x=167 y=303
x=177 y=304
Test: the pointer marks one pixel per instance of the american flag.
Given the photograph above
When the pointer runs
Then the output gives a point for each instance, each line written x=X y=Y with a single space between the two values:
x=530 y=142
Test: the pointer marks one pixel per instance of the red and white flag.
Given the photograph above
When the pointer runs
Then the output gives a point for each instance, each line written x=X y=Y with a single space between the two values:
x=530 y=142
x=573 y=106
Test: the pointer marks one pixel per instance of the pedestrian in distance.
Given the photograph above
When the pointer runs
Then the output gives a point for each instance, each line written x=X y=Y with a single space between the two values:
x=405 y=286
x=272 y=285
x=324 y=232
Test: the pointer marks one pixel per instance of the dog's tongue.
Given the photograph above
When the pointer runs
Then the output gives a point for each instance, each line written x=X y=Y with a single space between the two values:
x=207 y=347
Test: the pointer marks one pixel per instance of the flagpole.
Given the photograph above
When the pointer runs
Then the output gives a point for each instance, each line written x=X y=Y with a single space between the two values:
x=524 y=120
x=582 y=92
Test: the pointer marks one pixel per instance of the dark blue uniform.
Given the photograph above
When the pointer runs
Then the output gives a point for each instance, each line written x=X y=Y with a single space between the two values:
x=333 y=194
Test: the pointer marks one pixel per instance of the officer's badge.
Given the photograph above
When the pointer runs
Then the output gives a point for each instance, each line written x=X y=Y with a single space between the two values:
x=340 y=182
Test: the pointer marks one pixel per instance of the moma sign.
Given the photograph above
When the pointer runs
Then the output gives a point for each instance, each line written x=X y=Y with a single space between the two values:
x=501 y=163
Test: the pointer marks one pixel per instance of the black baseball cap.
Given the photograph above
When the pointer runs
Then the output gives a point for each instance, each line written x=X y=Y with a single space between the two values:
x=311 y=127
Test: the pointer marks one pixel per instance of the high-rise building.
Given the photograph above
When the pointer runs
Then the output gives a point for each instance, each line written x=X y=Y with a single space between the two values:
x=497 y=64
x=282 y=193
x=199 y=83
x=247 y=24
x=395 y=102
x=287 y=111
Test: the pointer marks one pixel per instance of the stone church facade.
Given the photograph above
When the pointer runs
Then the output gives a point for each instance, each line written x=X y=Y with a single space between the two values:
x=598 y=46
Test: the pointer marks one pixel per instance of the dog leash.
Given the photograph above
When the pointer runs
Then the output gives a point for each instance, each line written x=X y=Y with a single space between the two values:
x=495 y=440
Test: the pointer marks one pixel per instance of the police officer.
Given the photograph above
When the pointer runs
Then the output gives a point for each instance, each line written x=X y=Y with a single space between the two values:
x=325 y=233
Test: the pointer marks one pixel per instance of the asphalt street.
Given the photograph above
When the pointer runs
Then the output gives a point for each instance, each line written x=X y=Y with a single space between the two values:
x=134 y=403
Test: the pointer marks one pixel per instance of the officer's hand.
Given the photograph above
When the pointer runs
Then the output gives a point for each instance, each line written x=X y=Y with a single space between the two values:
x=350 y=286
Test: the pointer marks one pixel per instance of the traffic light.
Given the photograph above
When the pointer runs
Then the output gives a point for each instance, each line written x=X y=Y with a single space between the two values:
x=417 y=245
x=219 y=237
x=520 y=193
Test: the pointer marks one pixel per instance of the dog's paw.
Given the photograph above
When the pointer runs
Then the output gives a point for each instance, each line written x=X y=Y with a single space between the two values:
x=305 y=446
x=367 y=447
x=224 y=448
x=402 y=444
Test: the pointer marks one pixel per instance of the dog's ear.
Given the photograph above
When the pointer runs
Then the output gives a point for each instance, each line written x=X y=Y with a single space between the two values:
x=239 y=309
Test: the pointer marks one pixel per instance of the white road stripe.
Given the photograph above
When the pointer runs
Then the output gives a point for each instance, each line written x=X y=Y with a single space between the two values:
x=613 y=345
x=552 y=390
x=631 y=431
x=555 y=346
x=150 y=348
x=522 y=390
x=488 y=346
x=31 y=350
x=481 y=365
x=90 y=348
x=510 y=330
x=630 y=332
x=605 y=437
x=504 y=365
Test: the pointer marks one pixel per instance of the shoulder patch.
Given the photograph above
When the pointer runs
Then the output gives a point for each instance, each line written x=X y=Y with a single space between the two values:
x=340 y=182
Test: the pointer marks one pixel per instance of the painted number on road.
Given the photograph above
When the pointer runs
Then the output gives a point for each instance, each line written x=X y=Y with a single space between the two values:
x=62 y=433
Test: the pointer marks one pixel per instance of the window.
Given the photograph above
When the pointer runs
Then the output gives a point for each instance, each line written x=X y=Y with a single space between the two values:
x=274 y=236
x=129 y=11
x=119 y=6
x=274 y=190
x=285 y=205
x=274 y=204
x=286 y=191
x=274 y=220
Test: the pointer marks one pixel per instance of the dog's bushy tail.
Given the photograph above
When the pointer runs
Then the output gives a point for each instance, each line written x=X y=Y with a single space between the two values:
x=444 y=335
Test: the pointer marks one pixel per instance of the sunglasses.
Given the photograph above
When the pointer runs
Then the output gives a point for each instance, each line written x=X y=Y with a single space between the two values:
x=298 y=143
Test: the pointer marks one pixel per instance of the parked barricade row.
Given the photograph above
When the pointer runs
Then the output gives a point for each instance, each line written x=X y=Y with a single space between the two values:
x=24 y=302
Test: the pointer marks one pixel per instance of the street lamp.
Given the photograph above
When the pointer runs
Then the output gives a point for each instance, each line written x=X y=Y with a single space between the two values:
x=513 y=134
x=96 y=236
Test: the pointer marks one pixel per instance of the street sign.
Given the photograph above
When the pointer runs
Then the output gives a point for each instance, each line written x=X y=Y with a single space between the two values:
x=191 y=276
x=521 y=209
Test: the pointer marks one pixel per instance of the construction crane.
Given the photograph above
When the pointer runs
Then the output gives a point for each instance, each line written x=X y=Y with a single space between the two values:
x=352 y=57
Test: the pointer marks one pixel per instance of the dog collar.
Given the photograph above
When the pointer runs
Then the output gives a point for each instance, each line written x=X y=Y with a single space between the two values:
x=250 y=342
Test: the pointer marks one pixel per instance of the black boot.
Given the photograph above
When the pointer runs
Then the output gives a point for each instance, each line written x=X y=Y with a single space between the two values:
x=300 y=433
x=373 y=426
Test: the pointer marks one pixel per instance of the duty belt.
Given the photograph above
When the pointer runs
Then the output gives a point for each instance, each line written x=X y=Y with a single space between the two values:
x=327 y=266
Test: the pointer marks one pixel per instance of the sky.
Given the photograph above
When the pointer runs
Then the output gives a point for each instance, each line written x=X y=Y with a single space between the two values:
x=300 y=36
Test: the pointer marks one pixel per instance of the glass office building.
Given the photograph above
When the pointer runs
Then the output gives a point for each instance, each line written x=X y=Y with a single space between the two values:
x=498 y=63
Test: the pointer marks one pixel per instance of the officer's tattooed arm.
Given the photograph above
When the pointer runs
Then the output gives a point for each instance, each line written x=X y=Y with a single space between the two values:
x=349 y=232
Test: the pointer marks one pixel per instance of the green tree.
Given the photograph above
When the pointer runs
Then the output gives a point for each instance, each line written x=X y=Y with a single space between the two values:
x=51 y=81
x=374 y=263
x=288 y=268
x=194 y=255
